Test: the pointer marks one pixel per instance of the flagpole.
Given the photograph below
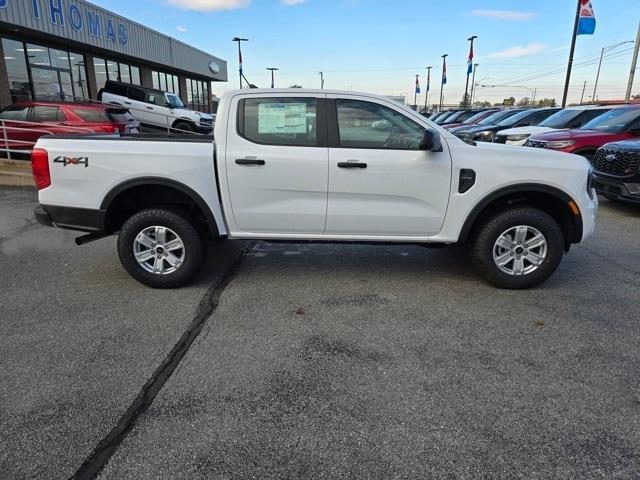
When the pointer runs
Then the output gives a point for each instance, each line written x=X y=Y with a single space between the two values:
x=444 y=69
x=466 y=87
x=426 y=93
x=573 y=48
x=415 y=95
x=473 y=81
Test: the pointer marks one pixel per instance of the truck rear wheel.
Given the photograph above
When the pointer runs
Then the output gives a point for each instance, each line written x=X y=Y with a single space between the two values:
x=183 y=127
x=160 y=248
x=518 y=248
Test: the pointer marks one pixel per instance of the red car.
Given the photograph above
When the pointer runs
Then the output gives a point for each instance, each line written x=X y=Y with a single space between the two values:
x=21 y=124
x=614 y=126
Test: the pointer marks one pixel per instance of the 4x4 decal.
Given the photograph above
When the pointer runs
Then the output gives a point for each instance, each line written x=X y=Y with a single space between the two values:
x=72 y=161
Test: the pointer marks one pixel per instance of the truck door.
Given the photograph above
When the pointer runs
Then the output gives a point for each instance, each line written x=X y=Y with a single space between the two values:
x=276 y=163
x=380 y=182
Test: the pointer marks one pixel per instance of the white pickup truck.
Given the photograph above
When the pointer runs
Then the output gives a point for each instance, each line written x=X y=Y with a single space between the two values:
x=316 y=165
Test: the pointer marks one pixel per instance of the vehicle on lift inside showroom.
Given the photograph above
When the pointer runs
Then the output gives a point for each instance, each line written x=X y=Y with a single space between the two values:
x=296 y=165
x=156 y=108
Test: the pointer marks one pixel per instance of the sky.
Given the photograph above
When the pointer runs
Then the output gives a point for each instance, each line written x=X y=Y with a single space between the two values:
x=379 y=46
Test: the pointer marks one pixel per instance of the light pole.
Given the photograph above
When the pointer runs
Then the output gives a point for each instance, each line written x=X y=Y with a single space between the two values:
x=634 y=62
x=466 y=87
x=444 y=78
x=240 y=40
x=610 y=47
x=426 y=93
x=272 y=69
x=321 y=80
x=473 y=81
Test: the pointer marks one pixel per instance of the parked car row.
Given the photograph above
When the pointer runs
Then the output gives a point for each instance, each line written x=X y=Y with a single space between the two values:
x=606 y=135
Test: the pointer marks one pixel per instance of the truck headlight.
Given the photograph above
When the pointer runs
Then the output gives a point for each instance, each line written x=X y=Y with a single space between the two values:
x=560 y=144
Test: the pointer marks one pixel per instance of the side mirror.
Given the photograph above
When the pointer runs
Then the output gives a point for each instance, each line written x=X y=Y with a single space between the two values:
x=431 y=141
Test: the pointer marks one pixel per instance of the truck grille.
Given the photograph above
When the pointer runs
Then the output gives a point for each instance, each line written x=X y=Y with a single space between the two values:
x=536 y=143
x=617 y=162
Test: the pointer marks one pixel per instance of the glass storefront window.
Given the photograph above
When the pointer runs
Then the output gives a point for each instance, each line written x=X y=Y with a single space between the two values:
x=112 y=70
x=100 y=68
x=135 y=75
x=156 y=80
x=79 y=74
x=125 y=75
x=59 y=58
x=38 y=55
x=16 y=63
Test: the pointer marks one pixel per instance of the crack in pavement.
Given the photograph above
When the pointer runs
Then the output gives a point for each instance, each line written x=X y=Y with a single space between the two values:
x=100 y=456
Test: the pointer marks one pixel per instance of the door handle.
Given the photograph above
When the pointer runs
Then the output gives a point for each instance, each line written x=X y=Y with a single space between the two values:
x=249 y=161
x=149 y=108
x=352 y=165
x=128 y=103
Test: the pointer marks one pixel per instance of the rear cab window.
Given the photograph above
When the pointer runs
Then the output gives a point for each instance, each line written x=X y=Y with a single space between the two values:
x=286 y=121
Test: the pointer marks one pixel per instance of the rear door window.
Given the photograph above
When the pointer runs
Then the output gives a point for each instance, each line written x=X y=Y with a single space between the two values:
x=94 y=115
x=136 y=94
x=279 y=121
x=46 y=114
x=155 y=98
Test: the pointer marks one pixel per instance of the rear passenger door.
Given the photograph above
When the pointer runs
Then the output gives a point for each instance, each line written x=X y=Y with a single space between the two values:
x=276 y=163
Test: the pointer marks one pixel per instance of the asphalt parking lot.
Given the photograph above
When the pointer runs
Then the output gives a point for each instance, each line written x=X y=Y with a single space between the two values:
x=316 y=361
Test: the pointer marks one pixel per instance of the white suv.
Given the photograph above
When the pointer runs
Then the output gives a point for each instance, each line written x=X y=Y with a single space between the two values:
x=156 y=108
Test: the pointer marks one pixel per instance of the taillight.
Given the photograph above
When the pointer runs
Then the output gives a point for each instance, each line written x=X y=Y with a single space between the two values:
x=40 y=168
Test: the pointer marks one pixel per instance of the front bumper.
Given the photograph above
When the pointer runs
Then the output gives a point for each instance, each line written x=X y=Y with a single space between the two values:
x=627 y=192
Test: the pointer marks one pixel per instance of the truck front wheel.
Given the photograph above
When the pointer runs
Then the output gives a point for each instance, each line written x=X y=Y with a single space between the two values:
x=518 y=248
x=160 y=248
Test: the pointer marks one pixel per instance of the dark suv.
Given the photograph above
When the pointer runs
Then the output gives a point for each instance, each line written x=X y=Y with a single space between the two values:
x=617 y=171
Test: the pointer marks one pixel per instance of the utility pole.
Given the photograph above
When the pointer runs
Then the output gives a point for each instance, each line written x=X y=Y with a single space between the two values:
x=473 y=81
x=426 y=93
x=466 y=87
x=610 y=47
x=321 y=80
x=583 y=89
x=273 y=69
x=444 y=78
x=240 y=40
x=573 y=49
x=634 y=63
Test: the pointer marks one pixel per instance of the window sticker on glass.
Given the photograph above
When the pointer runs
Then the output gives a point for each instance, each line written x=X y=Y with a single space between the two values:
x=282 y=118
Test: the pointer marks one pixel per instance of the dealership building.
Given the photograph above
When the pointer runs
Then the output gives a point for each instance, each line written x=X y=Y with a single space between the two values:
x=67 y=50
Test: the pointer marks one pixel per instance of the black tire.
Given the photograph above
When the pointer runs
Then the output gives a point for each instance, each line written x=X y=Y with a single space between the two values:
x=183 y=127
x=487 y=234
x=191 y=255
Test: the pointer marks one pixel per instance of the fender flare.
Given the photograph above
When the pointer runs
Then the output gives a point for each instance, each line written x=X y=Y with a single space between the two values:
x=159 y=181
x=520 y=187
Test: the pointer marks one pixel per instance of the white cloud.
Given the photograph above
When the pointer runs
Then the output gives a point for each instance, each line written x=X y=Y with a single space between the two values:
x=292 y=2
x=209 y=5
x=519 y=51
x=510 y=15
x=180 y=28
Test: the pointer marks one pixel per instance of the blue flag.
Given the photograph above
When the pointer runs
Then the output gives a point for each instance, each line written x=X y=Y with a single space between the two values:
x=587 y=22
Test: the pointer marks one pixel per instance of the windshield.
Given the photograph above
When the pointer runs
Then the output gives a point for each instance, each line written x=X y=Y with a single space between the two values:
x=174 y=101
x=496 y=117
x=473 y=119
x=614 y=121
x=560 y=119
x=513 y=119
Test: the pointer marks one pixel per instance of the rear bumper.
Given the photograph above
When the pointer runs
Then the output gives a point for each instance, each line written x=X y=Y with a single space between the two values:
x=71 y=218
x=618 y=190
